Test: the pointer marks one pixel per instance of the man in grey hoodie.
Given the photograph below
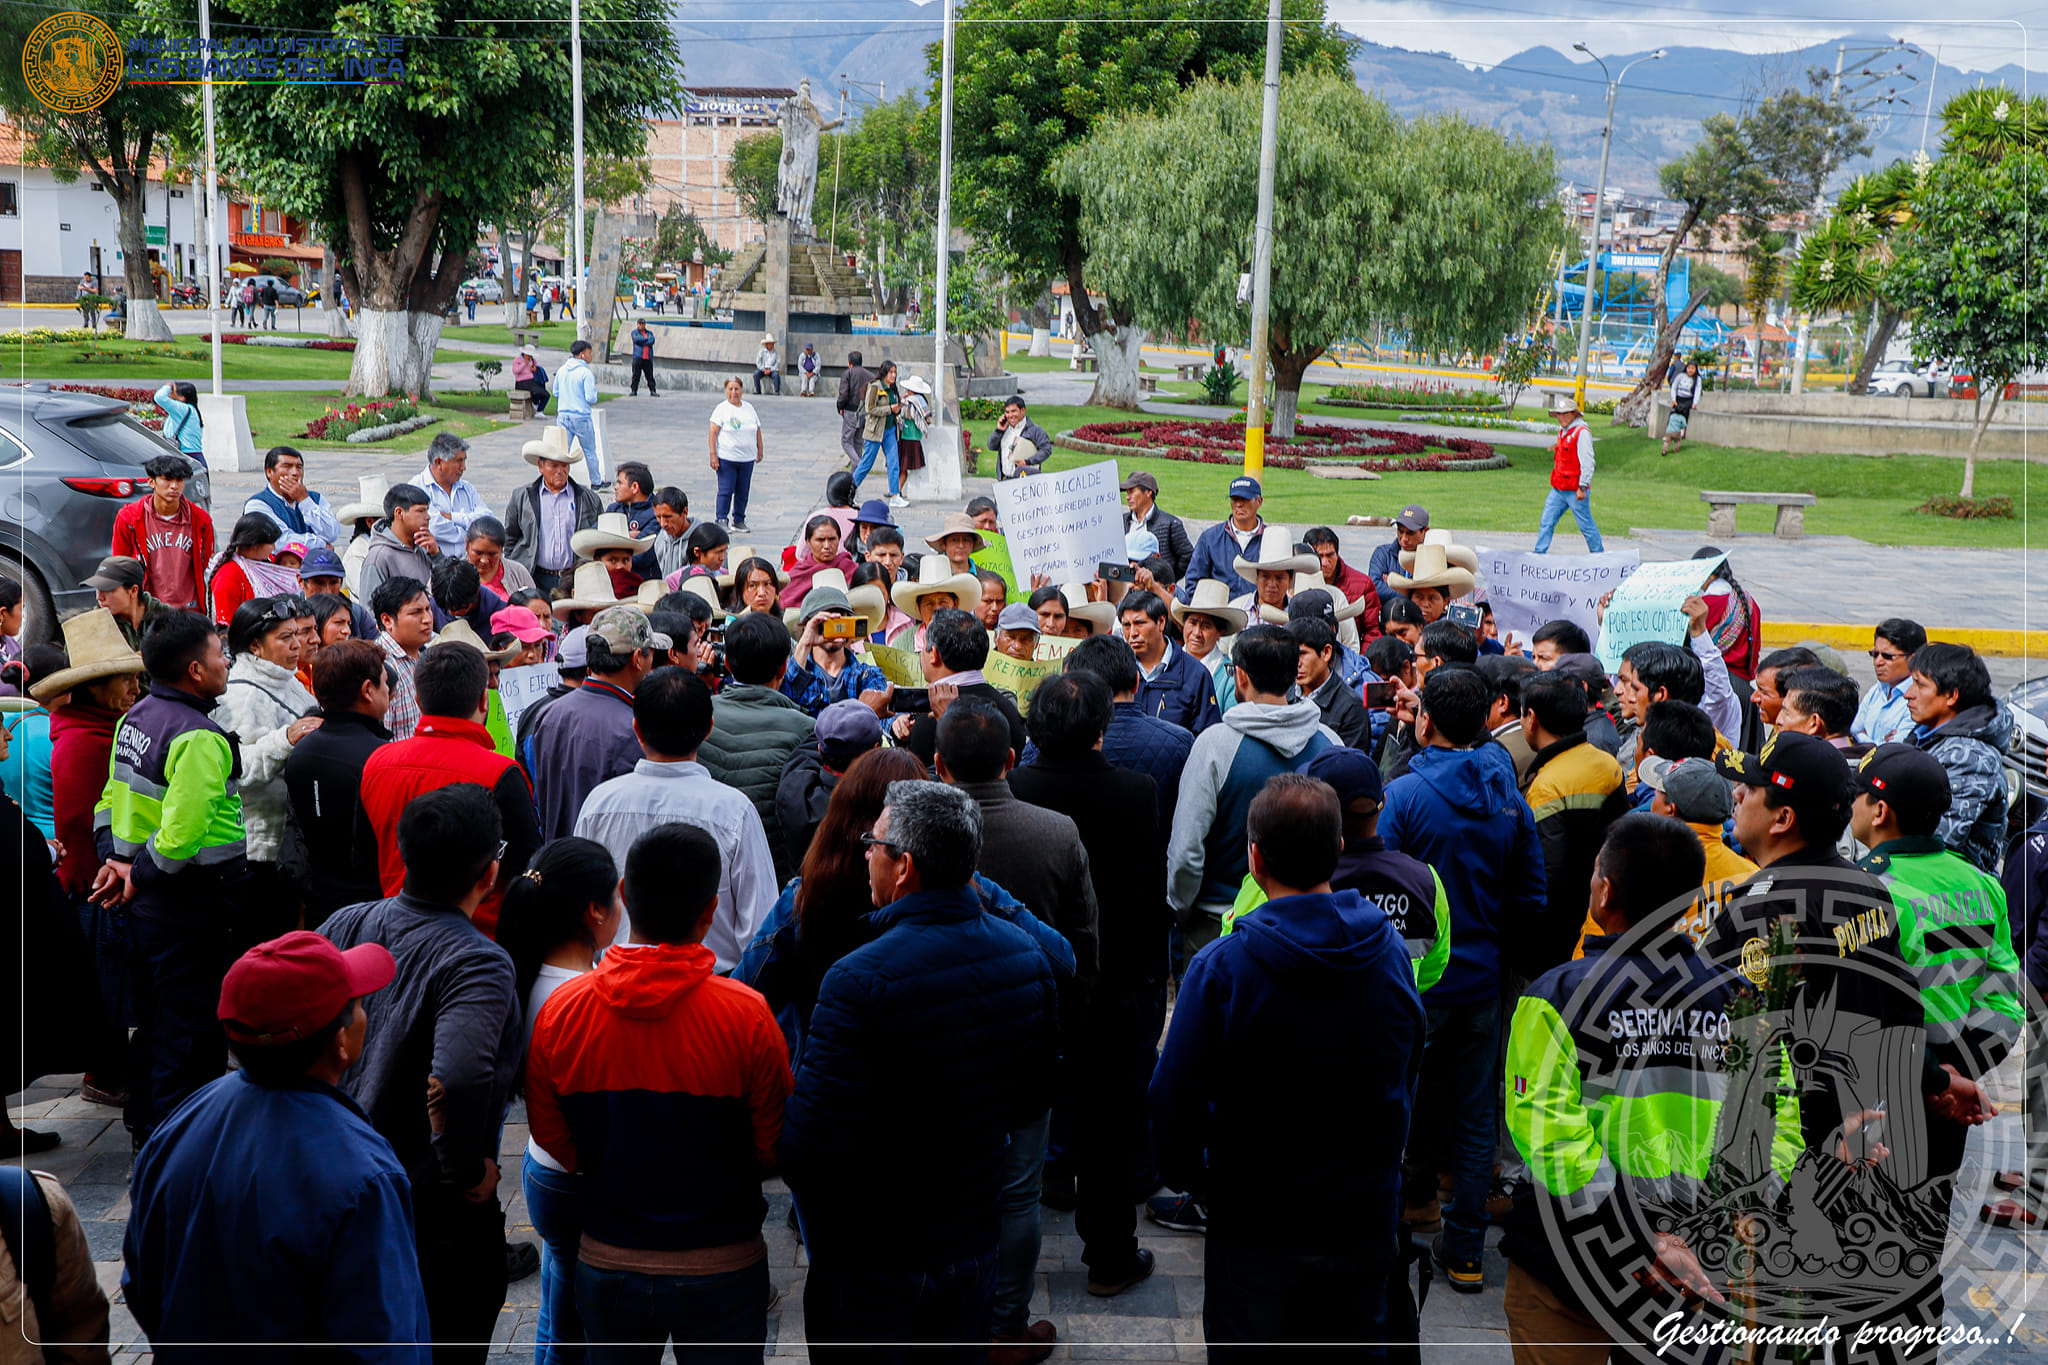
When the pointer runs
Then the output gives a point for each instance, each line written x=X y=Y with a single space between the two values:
x=401 y=545
x=1262 y=735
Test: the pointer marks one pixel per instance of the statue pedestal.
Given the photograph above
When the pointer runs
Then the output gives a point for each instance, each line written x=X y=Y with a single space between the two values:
x=775 y=270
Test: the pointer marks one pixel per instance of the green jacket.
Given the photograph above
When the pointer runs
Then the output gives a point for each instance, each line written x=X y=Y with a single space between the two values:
x=152 y=608
x=171 y=791
x=753 y=730
x=1953 y=933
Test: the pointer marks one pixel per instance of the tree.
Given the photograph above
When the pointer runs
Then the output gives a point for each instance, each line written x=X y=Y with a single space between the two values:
x=543 y=211
x=1766 y=273
x=114 y=143
x=1032 y=77
x=680 y=237
x=1968 y=272
x=753 y=176
x=475 y=121
x=886 y=174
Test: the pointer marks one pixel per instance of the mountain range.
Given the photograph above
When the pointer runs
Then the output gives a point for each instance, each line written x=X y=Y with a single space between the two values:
x=1537 y=94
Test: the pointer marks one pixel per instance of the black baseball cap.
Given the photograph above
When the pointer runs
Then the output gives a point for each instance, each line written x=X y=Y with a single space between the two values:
x=1351 y=772
x=1910 y=779
x=1312 y=604
x=116 y=571
x=1810 y=772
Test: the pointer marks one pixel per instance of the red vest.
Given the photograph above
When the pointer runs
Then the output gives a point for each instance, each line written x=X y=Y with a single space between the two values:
x=1564 y=459
x=443 y=751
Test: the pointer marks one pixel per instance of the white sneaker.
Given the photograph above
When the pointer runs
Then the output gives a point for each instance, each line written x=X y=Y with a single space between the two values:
x=899 y=501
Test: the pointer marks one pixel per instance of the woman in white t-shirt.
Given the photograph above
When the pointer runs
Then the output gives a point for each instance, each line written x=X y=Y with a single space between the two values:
x=735 y=450
x=558 y=916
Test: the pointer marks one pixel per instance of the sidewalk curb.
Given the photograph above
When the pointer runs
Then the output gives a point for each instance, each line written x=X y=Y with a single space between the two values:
x=2003 y=644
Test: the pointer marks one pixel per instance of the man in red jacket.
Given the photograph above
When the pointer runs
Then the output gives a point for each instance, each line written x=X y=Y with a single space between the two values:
x=450 y=746
x=172 y=537
x=1571 y=476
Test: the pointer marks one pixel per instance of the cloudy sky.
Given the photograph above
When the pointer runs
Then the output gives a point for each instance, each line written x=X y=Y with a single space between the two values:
x=1984 y=34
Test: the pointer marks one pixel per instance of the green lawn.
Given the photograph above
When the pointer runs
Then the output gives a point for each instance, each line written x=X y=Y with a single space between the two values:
x=139 y=363
x=1872 y=499
x=490 y=326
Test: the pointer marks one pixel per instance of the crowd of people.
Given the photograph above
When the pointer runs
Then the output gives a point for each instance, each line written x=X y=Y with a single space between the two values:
x=775 y=880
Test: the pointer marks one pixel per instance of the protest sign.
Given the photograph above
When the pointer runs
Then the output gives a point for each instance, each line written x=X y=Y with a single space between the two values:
x=1054 y=646
x=1527 y=590
x=899 y=666
x=1646 y=606
x=519 y=688
x=1062 y=525
x=995 y=554
x=1018 y=677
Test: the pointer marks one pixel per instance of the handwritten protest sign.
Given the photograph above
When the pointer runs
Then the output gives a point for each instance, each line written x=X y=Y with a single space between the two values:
x=1646 y=606
x=519 y=688
x=995 y=554
x=1054 y=646
x=1527 y=590
x=1019 y=677
x=899 y=666
x=1062 y=525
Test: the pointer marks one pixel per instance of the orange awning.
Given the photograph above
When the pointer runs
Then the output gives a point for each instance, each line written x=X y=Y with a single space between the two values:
x=297 y=251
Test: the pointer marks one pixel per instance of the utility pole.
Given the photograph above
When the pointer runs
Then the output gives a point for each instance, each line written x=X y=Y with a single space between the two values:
x=576 y=134
x=945 y=258
x=212 y=175
x=1262 y=249
x=838 y=155
x=1599 y=203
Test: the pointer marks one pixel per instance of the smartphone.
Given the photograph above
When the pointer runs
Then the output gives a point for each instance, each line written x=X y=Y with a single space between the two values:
x=839 y=628
x=1379 y=696
x=910 y=701
x=1466 y=616
x=1116 y=573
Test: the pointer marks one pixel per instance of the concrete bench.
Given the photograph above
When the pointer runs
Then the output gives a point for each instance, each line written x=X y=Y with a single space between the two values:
x=1191 y=372
x=1148 y=383
x=521 y=409
x=1791 y=523
x=1081 y=360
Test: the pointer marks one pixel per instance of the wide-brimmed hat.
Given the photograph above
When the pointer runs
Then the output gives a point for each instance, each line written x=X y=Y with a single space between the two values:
x=1345 y=609
x=460 y=632
x=370 y=491
x=1464 y=556
x=873 y=512
x=957 y=524
x=591 y=590
x=95 y=647
x=557 y=444
x=918 y=384
x=827 y=590
x=870 y=603
x=1276 y=555
x=767 y=338
x=1431 y=567
x=735 y=555
x=935 y=575
x=614 y=531
x=652 y=590
x=1212 y=599
x=1100 y=616
x=702 y=586
x=1562 y=402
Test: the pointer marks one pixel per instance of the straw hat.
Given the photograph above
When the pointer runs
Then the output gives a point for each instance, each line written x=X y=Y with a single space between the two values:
x=1562 y=402
x=1432 y=568
x=828 y=589
x=591 y=590
x=370 y=491
x=1461 y=555
x=919 y=385
x=557 y=444
x=957 y=523
x=1276 y=555
x=869 y=603
x=1304 y=582
x=96 y=648
x=652 y=590
x=767 y=338
x=459 y=632
x=735 y=555
x=935 y=575
x=614 y=531
x=1211 y=599
x=700 y=586
x=1100 y=616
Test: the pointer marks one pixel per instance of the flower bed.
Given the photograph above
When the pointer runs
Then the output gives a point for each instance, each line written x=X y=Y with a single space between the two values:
x=363 y=435
x=339 y=424
x=141 y=402
x=1437 y=397
x=1223 y=443
x=293 y=343
x=42 y=335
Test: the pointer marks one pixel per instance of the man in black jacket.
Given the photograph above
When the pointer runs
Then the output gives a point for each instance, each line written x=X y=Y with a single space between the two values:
x=1111 y=1046
x=323 y=777
x=853 y=389
x=1141 y=496
x=956 y=646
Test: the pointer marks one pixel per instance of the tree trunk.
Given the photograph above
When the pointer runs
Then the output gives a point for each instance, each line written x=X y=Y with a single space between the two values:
x=1887 y=321
x=394 y=353
x=1977 y=438
x=1634 y=410
x=330 y=296
x=1039 y=315
x=1288 y=368
x=1116 y=365
x=145 y=322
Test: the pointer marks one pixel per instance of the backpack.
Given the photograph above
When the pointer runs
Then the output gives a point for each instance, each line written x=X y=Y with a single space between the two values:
x=30 y=1234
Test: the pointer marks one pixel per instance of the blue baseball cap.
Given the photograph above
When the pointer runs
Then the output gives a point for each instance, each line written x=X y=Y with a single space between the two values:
x=1245 y=486
x=1351 y=771
x=322 y=563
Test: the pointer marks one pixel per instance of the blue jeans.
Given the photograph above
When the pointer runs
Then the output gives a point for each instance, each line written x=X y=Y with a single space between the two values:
x=554 y=1200
x=846 y=1305
x=735 y=481
x=1459 y=1099
x=1017 y=1252
x=886 y=447
x=579 y=427
x=629 y=1317
x=1582 y=511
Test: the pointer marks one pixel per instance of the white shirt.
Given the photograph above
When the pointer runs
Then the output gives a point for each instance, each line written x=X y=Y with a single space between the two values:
x=550 y=979
x=736 y=428
x=618 y=811
x=765 y=359
x=451 y=511
x=1719 y=699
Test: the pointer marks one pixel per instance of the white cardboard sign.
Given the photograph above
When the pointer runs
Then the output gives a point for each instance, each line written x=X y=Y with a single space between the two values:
x=1063 y=525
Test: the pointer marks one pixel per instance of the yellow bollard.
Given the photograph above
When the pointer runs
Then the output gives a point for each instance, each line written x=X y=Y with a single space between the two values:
x=1254 y=450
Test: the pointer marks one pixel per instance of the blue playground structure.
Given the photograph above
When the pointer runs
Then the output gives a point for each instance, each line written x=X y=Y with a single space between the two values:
x=1624 y=328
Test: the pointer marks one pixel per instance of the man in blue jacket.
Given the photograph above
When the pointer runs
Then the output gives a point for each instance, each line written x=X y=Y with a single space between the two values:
x=1172 y=684
x=1222 y=545
x=267 y=1209
x=927 y=1046
x=1457 y=809
x=1315 y=973
x=2025 y=879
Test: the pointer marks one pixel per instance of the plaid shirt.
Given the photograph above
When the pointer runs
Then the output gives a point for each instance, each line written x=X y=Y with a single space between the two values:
x=808 y=685
x=404 y=716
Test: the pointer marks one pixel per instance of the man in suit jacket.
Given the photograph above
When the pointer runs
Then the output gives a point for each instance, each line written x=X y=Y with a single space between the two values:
x=1141 y=496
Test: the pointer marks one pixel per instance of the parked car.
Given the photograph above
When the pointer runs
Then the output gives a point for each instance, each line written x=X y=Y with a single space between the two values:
x=70 y=462
x=487 y=289
x=1903 y=379
x=288 y=295
x=2026 y=758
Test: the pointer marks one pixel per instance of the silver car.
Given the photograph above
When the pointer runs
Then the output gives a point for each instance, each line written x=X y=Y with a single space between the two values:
x=68 y=463
x=2026 y=758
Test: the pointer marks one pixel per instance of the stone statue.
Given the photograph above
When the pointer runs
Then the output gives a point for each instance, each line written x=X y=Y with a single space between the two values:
x=796 y=180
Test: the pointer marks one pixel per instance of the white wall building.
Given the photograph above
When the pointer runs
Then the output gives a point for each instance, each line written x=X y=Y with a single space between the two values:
x=51 y=232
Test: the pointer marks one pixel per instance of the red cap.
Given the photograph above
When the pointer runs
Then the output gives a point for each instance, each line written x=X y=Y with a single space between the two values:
x=294 y=986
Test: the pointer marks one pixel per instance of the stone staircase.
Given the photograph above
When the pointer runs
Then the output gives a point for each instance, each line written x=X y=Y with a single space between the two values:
x=815 y=271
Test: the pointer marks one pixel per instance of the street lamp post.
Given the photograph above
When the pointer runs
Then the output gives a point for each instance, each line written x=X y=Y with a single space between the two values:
x=1262 y=249
x=1599 y=202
